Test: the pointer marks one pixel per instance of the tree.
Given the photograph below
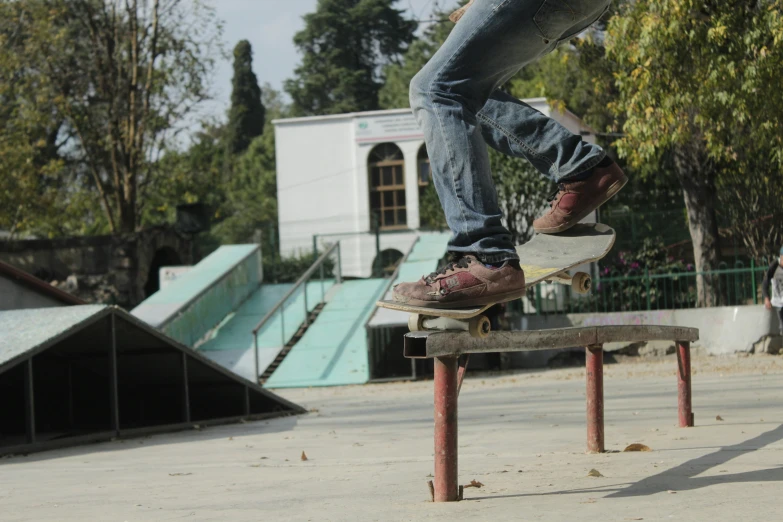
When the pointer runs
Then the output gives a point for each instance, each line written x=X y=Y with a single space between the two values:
x=36 y=180
x=246 y=115
x=344 y=45
x=250 y=202
x=193 y=175
x=522 y=194
x=398 y=75
x=697 y=89
x=111 y=80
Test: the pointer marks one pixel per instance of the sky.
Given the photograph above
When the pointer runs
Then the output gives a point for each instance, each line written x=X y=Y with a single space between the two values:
x=269 y=26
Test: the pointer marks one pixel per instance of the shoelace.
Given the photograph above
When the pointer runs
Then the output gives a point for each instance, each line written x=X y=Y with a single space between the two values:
x=463 y=262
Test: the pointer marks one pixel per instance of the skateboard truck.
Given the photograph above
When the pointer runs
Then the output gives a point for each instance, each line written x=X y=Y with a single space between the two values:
x=580 y=282
x=478 y=326
x=546 y=257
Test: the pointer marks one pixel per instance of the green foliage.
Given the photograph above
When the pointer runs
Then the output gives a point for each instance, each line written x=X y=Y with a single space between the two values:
x=576 y=76
x=289 y=269
x=95 y=91
x=626 y=285
x=522 y=193
x=251 y=195
x=344 y=45
x=431 y=216
x=698 y=88
x=195 y=175
x=699 y=70
x=42 y=187
x=246 y=115
x=394 y=93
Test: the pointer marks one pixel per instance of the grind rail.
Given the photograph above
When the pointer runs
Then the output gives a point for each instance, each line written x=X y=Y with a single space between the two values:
x=451 y=351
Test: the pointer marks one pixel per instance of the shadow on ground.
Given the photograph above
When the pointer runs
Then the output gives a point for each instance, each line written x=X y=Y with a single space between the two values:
x=684 y=477
x=249 y=428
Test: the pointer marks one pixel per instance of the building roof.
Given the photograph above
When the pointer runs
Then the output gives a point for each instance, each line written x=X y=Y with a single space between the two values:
x=536 y=103
x=37 y=285
x=158 y=384
x=24 y=330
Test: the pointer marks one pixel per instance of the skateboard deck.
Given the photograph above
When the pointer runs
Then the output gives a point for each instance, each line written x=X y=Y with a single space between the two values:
x=545 y=257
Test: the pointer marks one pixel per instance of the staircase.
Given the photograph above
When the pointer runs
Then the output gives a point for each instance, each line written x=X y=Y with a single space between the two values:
x=291 y=342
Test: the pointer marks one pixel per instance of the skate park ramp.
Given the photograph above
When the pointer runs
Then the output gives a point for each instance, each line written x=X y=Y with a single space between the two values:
x=333 y=351
x=423 y=259
x=189 y=307
x=85 y=373
x=231 y=343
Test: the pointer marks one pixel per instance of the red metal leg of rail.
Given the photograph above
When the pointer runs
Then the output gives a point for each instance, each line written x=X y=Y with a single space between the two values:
x=594 y=362
x=463 y=367
x=446 y=393
x=684 y=384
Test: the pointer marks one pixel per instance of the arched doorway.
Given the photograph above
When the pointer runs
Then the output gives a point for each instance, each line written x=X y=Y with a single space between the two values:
x=165 y=256
x=386 y=262
x=386 y=167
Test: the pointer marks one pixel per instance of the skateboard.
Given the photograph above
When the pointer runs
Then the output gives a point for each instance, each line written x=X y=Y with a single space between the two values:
x=545 y=258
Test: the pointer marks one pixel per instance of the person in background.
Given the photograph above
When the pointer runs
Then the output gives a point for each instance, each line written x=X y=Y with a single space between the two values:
x=772 y=288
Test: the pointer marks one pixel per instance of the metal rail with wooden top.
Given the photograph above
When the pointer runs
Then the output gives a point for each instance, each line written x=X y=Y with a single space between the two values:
x=451 y=350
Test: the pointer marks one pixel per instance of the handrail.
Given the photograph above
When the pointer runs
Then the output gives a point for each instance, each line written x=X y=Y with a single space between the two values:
x=303 y=279
x=393 y=278
x=299 y=282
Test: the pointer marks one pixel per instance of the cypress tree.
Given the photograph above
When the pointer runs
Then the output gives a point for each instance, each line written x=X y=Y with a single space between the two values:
x=246 y=116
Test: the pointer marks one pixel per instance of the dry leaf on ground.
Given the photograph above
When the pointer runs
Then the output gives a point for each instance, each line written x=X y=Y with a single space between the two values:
x=474 y=484
x=304 y=457
x=637 y=447
x=718 y=418
x=594 y=473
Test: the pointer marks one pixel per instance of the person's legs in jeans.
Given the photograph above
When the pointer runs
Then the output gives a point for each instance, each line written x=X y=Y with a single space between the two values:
x=780 y=320
x=455 y=100
x=457 y=104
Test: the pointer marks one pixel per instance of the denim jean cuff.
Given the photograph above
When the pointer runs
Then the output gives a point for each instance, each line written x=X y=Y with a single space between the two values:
x=582 y=169
x=499 y=257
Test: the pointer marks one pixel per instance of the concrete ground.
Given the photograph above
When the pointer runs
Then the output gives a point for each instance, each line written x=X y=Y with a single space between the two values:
x=369 y=455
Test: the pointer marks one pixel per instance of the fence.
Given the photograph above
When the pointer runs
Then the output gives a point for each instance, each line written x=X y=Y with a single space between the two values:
x=725 y=286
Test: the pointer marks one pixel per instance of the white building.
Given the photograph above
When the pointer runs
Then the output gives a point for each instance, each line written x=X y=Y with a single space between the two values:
x=335 y=172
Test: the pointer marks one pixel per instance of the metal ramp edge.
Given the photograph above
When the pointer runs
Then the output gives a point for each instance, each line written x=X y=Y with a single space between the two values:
x=191 y=306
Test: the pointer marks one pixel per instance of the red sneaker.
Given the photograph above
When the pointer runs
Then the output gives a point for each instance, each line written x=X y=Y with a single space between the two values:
x=466 y=282
x=576 y=199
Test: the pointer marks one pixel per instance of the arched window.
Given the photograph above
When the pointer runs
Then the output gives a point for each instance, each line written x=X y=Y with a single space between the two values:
x=387 y=186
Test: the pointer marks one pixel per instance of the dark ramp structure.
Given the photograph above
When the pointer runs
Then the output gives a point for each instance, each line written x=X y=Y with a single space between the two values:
x=85 y=373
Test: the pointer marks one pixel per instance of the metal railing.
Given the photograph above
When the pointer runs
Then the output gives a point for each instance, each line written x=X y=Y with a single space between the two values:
x=302 y=281
x=645 y=291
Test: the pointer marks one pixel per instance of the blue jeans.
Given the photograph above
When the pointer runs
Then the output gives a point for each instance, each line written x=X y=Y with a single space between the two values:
x=456 y=101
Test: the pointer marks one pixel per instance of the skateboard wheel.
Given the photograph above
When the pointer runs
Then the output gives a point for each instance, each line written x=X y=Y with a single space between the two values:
x=415 y=323
x=479 y=326
x=581 y=283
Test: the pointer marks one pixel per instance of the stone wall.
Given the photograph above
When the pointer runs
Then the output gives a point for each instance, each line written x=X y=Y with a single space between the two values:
x=108 y=269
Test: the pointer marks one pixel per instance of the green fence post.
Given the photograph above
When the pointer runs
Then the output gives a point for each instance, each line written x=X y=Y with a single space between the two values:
x=753 y=281
x=647 y=285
